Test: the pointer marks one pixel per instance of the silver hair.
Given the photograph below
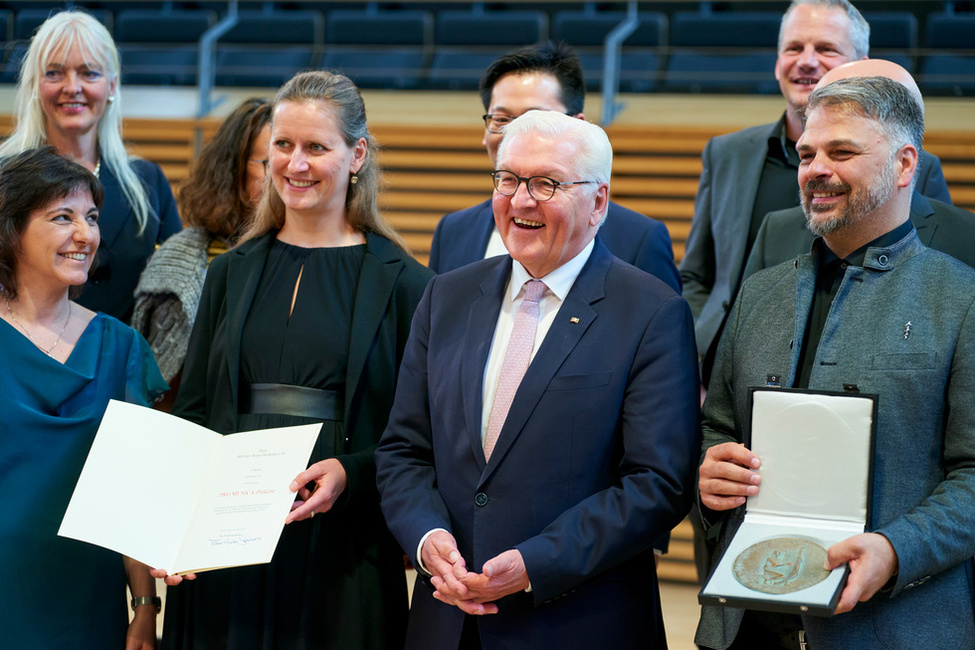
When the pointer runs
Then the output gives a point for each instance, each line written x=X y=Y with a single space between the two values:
x=595 y=159
x=56 y=36
x=889 y=103
x=859 y=27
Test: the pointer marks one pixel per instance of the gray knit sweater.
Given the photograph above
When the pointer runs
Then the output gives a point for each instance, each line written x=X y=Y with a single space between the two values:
x=168 y=295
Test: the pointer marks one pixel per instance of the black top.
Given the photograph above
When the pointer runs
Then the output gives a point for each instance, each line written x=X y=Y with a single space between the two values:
x=336 y=581
x=295 y=348
x=777 y=187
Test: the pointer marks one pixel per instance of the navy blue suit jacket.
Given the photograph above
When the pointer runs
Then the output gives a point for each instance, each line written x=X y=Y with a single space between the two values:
x=595 y=460
x=123 y=252
x=462 y=237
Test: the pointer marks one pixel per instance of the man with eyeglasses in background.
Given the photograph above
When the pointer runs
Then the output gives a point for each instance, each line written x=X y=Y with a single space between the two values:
x=543 y=77
x=544 y=428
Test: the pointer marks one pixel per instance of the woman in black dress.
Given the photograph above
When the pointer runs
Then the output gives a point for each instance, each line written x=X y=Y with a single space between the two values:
x=306 y=321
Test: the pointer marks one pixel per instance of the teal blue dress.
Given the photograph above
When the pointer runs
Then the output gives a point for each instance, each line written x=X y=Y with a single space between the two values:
x=57 y=592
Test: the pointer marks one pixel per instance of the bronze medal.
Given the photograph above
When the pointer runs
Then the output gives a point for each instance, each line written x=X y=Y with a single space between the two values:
x=781 y=565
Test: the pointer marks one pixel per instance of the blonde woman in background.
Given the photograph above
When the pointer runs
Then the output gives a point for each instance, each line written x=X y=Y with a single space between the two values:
x=306 y=321
x=68 y=96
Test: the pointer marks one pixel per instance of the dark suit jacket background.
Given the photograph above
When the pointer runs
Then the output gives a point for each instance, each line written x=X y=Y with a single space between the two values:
x=123 y=253
x=941 y=226
x=595 y=461
x=462 y=237
x=714 y=260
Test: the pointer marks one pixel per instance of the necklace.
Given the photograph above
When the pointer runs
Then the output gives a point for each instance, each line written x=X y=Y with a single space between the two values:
x=21 y=325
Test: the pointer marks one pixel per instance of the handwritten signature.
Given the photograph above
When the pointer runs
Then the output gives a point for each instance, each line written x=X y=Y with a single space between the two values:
x=234 y=541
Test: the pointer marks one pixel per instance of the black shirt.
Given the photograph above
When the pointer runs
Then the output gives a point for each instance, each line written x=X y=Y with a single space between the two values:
x=778 y=187
x=829 y=276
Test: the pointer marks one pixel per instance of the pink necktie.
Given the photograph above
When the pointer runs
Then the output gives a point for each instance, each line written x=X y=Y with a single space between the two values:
x=516 y=359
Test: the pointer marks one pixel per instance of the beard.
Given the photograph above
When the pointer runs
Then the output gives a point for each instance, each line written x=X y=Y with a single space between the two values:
x=860 y=203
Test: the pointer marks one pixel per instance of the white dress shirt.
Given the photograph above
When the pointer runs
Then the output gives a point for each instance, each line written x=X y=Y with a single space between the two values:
x=495 y=245
x=558 y=282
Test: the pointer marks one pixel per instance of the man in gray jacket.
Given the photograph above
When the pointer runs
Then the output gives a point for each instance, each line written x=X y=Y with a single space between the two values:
x=872 y=308
x=939 y=225
x=749 y=173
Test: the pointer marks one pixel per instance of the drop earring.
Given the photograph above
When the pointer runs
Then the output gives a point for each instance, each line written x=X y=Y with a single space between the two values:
x=354 y=178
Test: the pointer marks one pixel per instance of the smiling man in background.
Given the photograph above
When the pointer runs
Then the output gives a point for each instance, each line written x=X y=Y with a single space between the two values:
x=543 y=77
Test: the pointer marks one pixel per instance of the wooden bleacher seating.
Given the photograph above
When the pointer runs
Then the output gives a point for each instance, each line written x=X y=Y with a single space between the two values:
x=431 y=170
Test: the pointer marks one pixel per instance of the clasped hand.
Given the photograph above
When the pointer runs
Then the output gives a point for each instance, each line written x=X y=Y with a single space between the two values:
x=474 y=593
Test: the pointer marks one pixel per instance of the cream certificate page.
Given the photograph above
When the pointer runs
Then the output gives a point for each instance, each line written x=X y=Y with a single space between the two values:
x=177 y=496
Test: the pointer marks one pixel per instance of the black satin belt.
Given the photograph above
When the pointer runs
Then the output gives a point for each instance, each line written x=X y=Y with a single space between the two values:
x=292 y=400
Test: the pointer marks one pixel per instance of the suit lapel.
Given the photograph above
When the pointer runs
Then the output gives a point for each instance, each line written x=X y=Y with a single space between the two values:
x=482 y=320
x=805 y=279
x=377 y=278
x=923 y=217
x=115 y=209
x=244 y=269
x=560 y=341
x=751 y=159
x=484 y=226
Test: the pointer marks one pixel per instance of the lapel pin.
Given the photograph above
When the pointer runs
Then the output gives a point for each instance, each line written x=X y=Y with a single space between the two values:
x=574 y=319
x=907 y=329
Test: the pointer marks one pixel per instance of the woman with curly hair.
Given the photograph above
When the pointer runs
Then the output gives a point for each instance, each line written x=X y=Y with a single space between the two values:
x=60 y=364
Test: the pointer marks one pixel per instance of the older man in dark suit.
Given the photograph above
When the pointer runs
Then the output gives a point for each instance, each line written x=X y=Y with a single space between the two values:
x=547 y=77
x=869 y=309
x=543 y=432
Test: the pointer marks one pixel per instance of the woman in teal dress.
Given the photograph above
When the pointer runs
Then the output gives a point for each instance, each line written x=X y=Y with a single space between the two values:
x=60 y=364
x=306 y=321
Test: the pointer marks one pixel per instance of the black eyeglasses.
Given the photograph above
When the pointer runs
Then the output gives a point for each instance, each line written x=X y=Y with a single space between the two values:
x=258 y=160
x=495 y=123
x=540 y=188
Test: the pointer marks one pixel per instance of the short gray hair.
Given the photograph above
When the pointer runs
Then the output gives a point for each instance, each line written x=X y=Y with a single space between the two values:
x=595 y=159
x=883 y=100
x=859 y=27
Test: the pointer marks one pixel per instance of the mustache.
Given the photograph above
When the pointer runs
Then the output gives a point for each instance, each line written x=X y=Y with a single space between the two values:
x=824 y=186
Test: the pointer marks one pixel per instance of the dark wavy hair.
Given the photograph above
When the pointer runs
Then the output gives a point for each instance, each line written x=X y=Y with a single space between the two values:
x=214 y=196
x=29 y=181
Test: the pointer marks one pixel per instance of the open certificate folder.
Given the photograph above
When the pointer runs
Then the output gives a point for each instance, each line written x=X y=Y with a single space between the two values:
x=177 y=496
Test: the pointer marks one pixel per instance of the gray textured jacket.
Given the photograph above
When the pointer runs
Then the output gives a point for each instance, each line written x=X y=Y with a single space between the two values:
x=923 y=497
